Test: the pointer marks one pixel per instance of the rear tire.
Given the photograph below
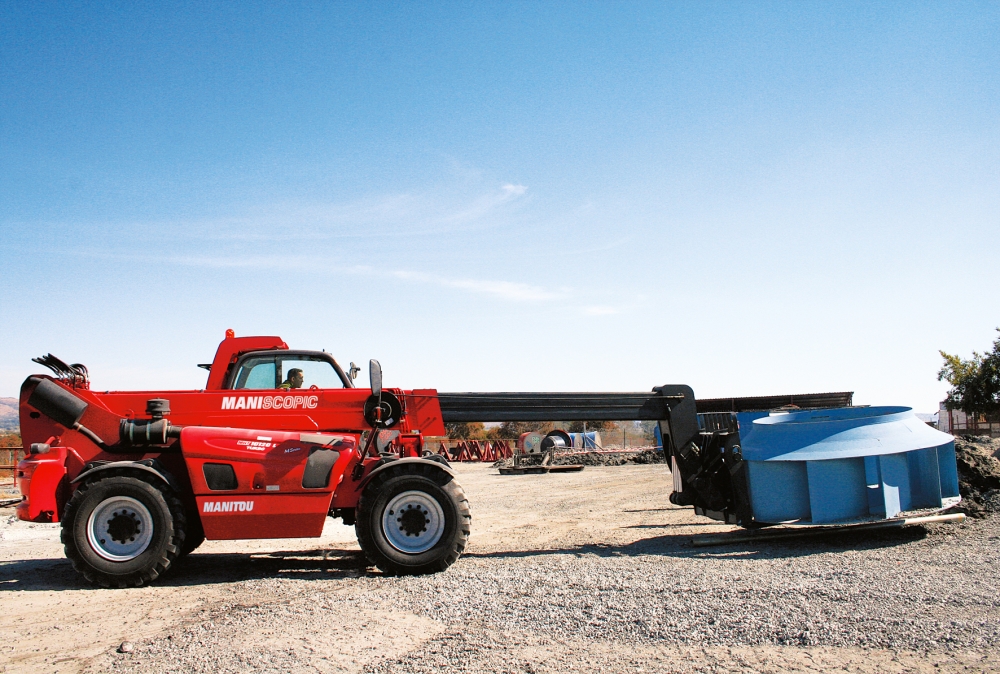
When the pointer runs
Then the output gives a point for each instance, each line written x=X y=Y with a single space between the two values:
x=123 y=530
x=413 y=520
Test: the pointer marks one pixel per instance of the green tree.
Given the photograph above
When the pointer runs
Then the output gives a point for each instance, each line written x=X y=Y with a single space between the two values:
x=975 y=383
x=512 y=430
x=472 y=430
x=577 y=426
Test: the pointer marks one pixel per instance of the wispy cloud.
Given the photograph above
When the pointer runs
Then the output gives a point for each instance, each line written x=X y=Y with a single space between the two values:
x=235 y=262
x=397 y=215
x=445 y=210
x=507 y=290
x=600 y=311
x=485 y=203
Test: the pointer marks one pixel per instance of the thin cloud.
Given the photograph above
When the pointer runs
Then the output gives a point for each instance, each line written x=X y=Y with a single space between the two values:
x=487 y=202
x=600 y=311
x=221 y=262
x=506 y=290
x=401 y=214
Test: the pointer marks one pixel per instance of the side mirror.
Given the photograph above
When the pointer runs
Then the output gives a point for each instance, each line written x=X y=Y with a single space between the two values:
x=375 y=375
x=352 y=373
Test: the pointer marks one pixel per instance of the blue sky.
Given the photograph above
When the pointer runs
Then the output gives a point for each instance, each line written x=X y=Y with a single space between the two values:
x=749 y=198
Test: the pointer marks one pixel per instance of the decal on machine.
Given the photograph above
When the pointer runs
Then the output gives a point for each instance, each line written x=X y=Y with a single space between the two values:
x=270 y=402
x=253 y=444
x=227 y=506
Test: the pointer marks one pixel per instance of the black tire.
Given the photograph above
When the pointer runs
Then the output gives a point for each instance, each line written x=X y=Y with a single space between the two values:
x=415 y=489
x=194 y=536
x=139 y=509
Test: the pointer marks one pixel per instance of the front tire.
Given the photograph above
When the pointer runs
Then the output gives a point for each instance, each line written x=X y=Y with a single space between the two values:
x=121 y=530
x=413 y=520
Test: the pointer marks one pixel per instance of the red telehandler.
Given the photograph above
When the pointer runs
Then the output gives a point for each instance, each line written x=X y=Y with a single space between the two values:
x=139 y=479
x=280 y=439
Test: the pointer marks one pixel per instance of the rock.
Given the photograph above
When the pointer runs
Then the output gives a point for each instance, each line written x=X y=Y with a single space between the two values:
x=126 y=647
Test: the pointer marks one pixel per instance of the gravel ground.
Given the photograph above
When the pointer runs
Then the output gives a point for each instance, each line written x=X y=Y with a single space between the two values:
x=590 y=571
x=888 y=594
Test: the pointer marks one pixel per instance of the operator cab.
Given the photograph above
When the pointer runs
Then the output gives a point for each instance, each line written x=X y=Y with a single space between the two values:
x=261 y=370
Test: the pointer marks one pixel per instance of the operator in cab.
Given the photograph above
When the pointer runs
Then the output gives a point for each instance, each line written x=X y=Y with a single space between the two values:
x=295 y=379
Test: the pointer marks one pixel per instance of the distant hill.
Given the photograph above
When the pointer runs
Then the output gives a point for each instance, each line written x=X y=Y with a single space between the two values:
x=8 y=414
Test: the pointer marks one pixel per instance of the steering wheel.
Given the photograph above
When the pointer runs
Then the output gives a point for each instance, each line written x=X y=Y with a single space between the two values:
x=314 y=388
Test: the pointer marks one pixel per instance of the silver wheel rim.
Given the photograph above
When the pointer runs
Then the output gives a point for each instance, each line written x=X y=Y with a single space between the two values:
x=413 y=522
x=120 y=529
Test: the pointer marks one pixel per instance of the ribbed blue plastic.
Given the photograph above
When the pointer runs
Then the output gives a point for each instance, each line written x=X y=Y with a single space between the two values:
x=846 y=464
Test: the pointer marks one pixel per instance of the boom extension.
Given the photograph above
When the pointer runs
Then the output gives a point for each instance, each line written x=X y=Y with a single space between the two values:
x=706 y=464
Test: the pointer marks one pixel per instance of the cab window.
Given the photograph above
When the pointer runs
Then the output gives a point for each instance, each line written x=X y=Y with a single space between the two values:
x=313 y=372
x=273 y=371
x=257 y=373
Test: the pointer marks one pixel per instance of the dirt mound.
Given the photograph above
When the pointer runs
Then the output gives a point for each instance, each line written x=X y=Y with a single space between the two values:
x=978 y=474
x=593 y=458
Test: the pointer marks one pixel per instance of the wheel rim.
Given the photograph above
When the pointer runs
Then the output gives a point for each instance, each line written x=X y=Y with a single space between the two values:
x=120 y=529
x=413 y=522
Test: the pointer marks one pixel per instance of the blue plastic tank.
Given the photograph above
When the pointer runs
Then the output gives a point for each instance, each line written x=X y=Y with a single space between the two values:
x=846 y=464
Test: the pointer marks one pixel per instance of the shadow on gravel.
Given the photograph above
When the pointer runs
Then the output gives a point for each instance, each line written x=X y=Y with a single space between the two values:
x=31 y=575
x=664 y=526
x=679 y=545
x=210 y=568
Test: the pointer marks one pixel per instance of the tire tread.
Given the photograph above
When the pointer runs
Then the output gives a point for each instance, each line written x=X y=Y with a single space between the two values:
x=459 y=540
x=141 y=577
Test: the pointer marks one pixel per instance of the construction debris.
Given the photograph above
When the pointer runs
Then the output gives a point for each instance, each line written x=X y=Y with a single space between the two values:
x=978 y=474
x=607 y=458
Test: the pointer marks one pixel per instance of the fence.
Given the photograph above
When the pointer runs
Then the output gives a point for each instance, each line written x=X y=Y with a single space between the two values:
x=957 y=422
x=976 y=427
x=9 y=456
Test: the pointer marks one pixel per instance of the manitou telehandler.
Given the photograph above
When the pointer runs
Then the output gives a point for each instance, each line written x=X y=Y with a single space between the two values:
x=279 y=439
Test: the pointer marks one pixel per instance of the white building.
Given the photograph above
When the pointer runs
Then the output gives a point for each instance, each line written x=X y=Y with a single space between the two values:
x=958 y=422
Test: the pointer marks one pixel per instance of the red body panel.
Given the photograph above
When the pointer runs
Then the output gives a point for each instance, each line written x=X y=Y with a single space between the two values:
x=42 y=480
x=264 y=516
x=326 y=410
x=269 y=500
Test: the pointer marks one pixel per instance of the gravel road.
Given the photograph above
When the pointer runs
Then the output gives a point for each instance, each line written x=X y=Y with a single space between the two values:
x=589 y=571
